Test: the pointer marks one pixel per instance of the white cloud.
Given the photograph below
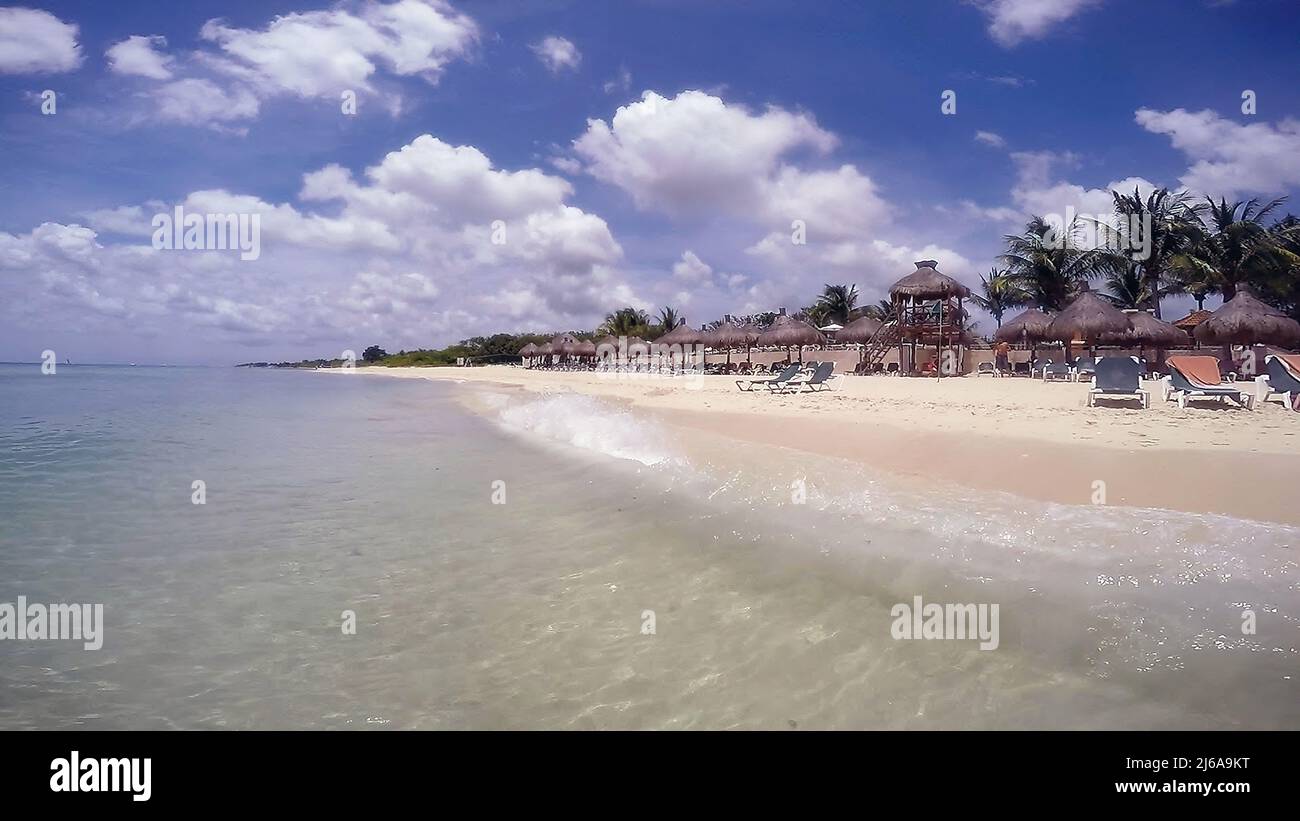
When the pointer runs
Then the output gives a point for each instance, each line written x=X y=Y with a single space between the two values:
x=1230 y=158
x=323 y=53
x=312 y=54
x=140 y=56
x=416 y=225
x=694 y=152
x=990 y=139
x=1039 y=191
x=749 y=176
x=620 y=84
x=557 y=53
x=692 y=270
x=1013 y=21
x=34 y=41
x=202 y=102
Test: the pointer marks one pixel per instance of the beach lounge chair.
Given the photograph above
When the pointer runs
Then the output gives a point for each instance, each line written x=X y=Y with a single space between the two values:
x=1084 y=368
x=816 y=382
x=1192 y=377
x=1118 y=377
x=1281 y=378
x=1056 y=370
x=784 y=376
x=985 y=369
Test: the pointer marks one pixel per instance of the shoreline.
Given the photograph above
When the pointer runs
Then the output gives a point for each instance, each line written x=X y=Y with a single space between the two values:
x=1033 y=440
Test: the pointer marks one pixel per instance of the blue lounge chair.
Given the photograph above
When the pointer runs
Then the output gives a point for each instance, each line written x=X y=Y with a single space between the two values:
x=1118 y=377
x=814 y=383
x=1278 y=380
x=1084 y=368
x=786 y=375
x=1056 y=370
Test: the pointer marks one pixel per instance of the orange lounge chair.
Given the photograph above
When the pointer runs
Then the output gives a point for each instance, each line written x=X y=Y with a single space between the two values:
x=1192 y=377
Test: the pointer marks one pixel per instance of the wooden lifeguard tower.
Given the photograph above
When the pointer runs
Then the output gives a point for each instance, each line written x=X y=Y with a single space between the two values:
x=927 y=309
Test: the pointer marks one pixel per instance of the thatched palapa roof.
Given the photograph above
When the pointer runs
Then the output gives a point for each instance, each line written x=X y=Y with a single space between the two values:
x=726 y=335
x=683 y=334
x=1088 y=318
x=1145 y=329
x=859 y=330
x=927 y=283
x=1030 y=326
x=786 y=331
x=561 y=343
x=528 y=350
x=1245 y=320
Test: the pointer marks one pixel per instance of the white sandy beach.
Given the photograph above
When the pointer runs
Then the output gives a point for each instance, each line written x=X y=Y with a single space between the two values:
x=1030 y=438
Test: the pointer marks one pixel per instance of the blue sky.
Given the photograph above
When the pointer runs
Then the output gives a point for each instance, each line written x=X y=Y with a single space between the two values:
x=643 y=153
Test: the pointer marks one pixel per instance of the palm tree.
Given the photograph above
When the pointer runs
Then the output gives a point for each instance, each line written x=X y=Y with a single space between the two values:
x=882 y=310
x=837 y=302
x=1002 y=292
x=1048 y=265
x=1237 y=248
x=626 y=322
x=1281 y=288
x=1125 y=288
x=1160 y=228
x=668 y=320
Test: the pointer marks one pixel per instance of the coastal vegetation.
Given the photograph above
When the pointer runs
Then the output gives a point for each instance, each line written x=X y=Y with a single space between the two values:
x=1187 y=246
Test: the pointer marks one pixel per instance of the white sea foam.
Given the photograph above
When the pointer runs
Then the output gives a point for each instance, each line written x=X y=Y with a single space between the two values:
x=587 y=423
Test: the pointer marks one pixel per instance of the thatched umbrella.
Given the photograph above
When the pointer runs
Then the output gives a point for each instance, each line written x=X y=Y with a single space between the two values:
x=1144 y=329
x=564 y=344
x=786 y=331
x=545 y=351
x=528 y=351
x=728 y=336
x=683 y=337
x=1029 y=327
x=1088 y=317
x=860 y=330
x=1246 y=320
x=586 y=349
x=926 y=283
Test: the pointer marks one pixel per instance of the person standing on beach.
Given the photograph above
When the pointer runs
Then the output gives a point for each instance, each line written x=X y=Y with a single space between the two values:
x=1001 y=354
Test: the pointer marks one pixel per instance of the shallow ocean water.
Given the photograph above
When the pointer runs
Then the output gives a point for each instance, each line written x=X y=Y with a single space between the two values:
x=327 y=493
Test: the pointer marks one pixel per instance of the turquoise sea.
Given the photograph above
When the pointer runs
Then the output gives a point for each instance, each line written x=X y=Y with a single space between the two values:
x=516 y=561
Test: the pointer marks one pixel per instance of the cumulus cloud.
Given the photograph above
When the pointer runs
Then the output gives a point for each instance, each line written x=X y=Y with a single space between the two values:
x=310 y=54
x=692 y=270
x=761 y=178
x=1230 y=158
x=322 y=53
x=695 y=152
x=35 y=42
x=418 y=225
x=140 y=56
x=1014 y=21
x=991 y=139
x=557 y=54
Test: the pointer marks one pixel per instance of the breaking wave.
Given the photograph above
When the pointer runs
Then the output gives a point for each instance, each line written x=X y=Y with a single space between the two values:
x=588 y=423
